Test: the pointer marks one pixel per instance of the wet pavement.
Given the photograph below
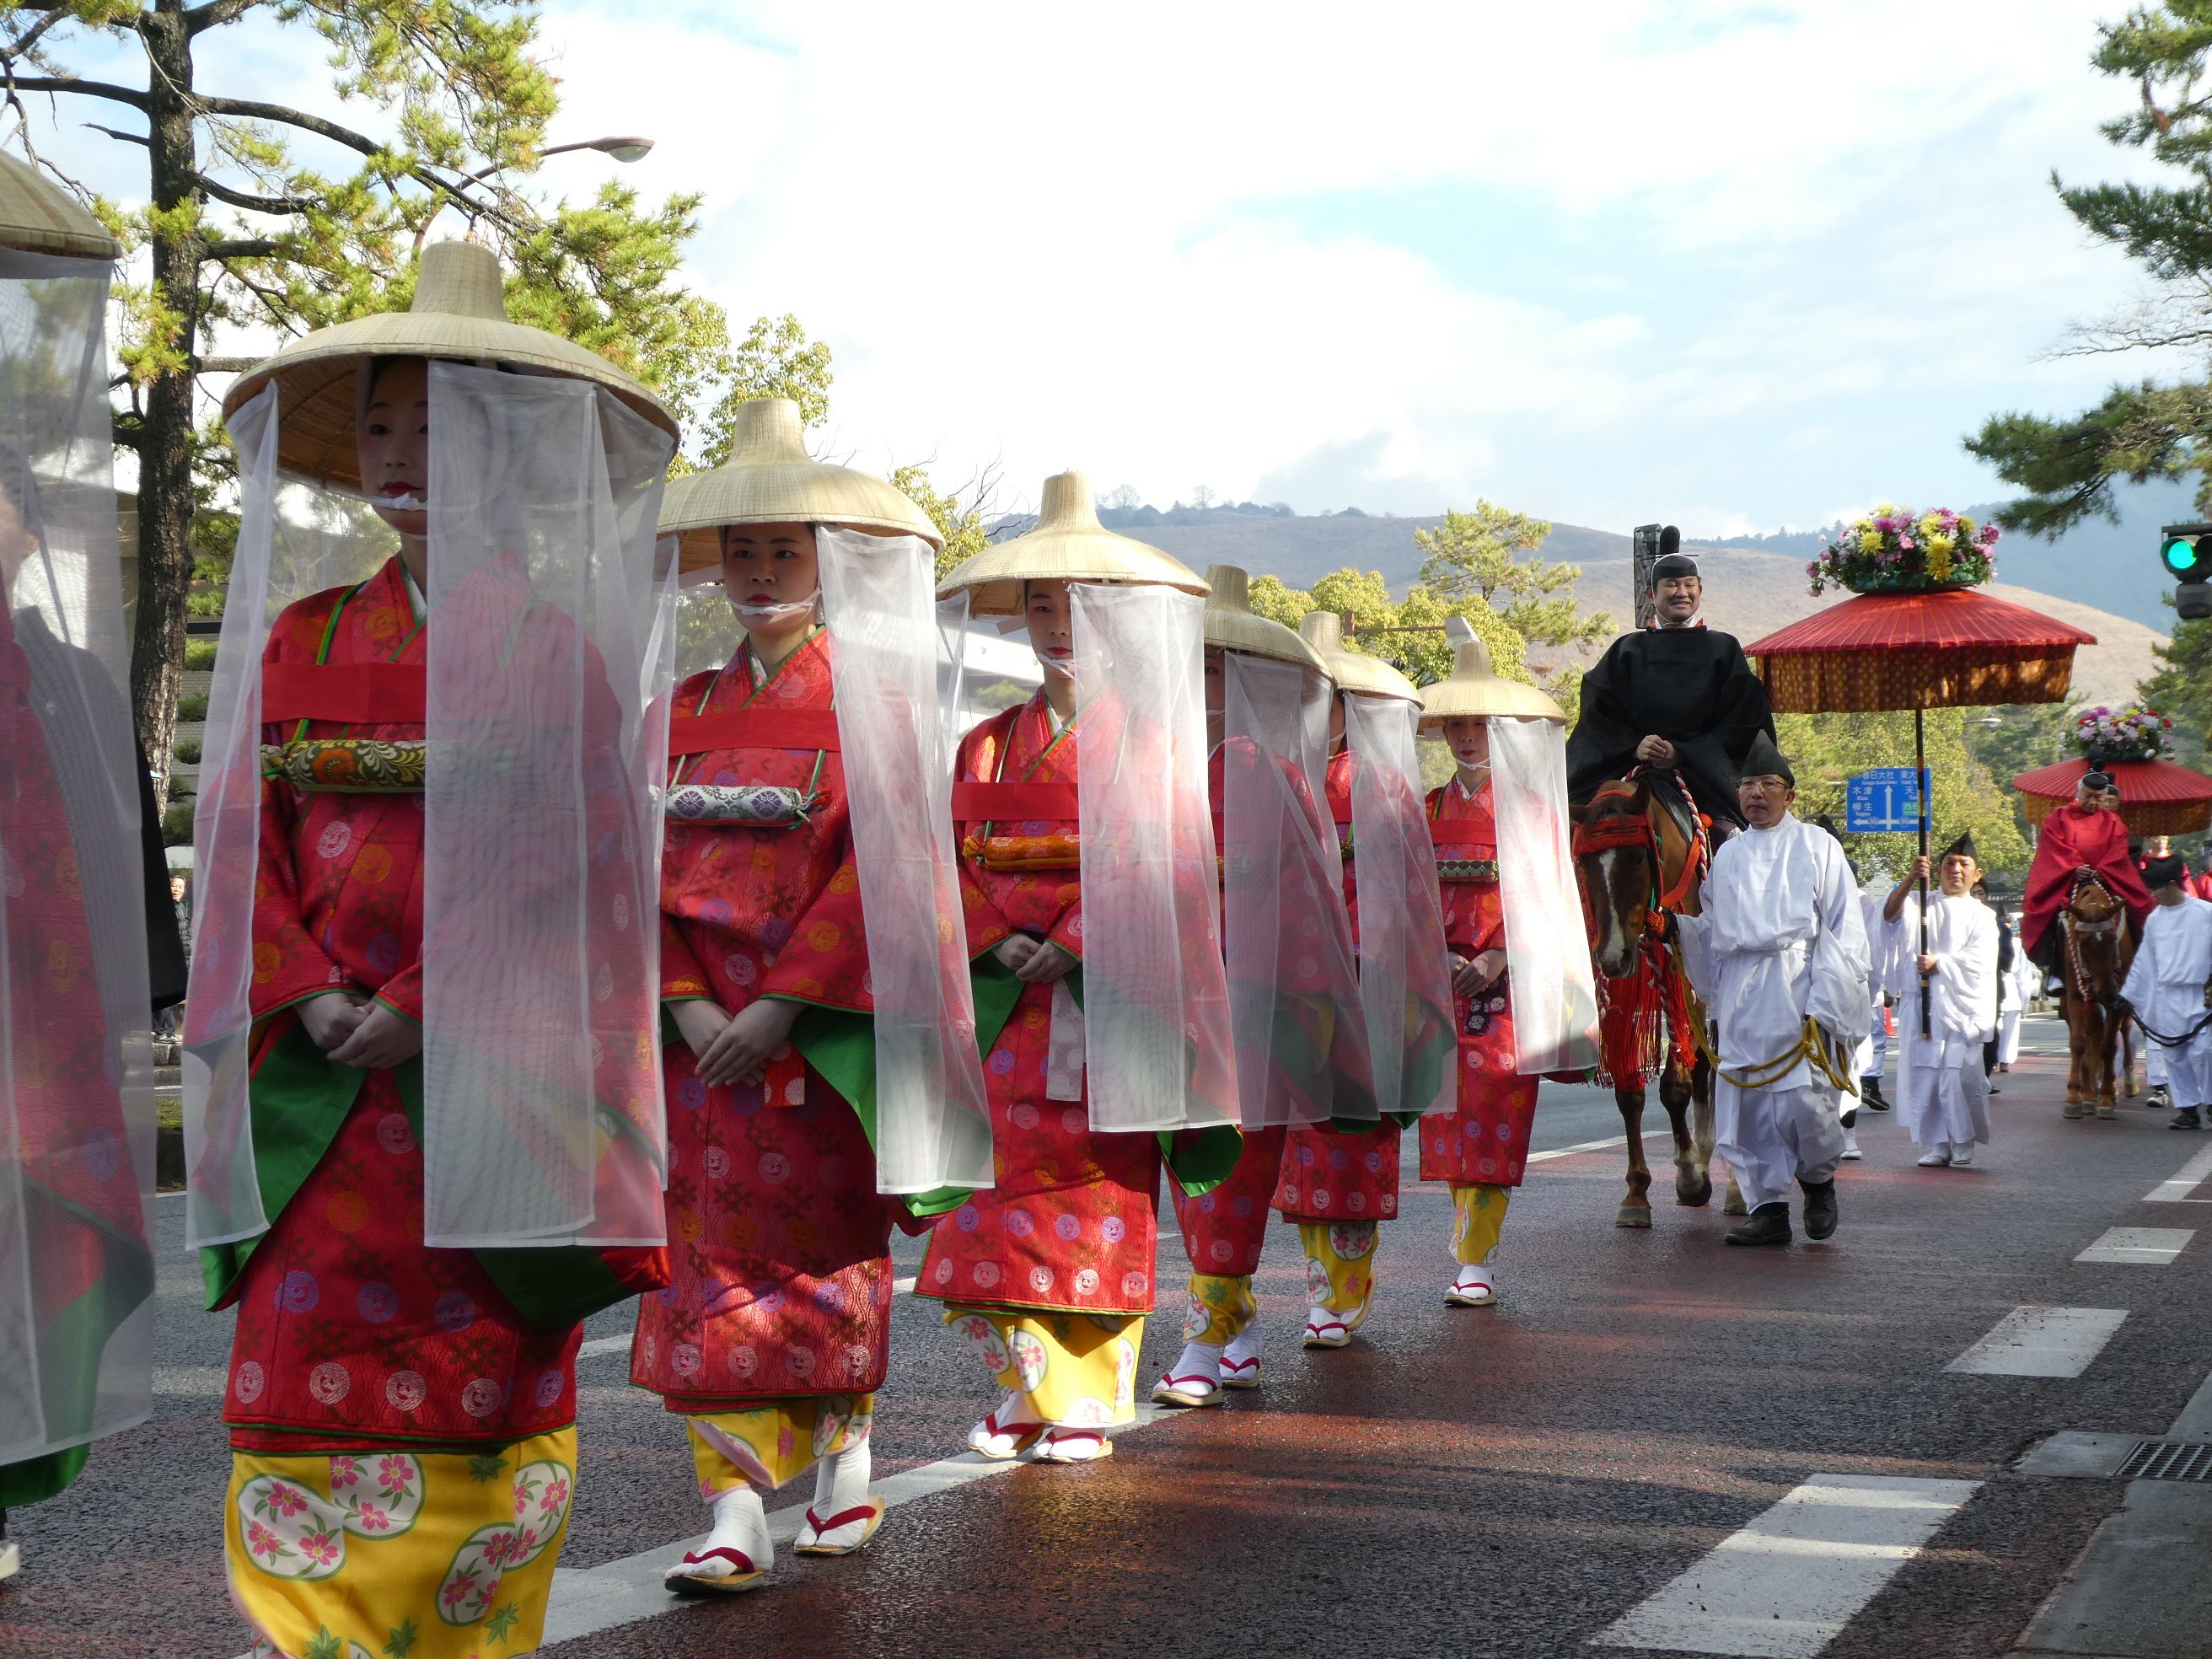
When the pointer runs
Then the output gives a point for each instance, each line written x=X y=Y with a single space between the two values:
x=1509 y=1480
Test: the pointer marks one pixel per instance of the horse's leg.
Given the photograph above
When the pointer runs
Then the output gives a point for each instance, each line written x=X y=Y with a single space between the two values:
x=1635 y=1209
x=1701 y=1112
x=2135 y=1079
x=1693 y=1186
x=2077 y=1043
x=2109 y=1052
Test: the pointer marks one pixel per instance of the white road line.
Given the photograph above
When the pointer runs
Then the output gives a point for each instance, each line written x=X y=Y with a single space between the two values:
x=1785 y=1586
x=2147 y=1247
x=2190 y=1176
x=588 y=1599
x=902 y=1287
x=1585 y=1146
x=606 y=1344
x=2041 y=1342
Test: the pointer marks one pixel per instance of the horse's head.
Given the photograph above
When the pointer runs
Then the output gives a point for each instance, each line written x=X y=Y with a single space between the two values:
x=2092 y=904
x=1613 y=861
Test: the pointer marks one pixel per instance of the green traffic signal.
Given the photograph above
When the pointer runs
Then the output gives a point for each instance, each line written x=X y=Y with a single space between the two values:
x=2185 y=549
x=2184 y=556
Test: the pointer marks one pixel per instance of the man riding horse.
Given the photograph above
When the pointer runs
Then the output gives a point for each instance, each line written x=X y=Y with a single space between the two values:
x=1675 y=706
x=2078 y=842
x=1672 y=697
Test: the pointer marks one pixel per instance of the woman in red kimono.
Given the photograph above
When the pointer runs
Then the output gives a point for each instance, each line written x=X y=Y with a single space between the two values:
x=1048 y=1274
x=1288 y=946
x=772 y=1334
x=401 y=1417
x=1479 y=1149
x=1340 y=1181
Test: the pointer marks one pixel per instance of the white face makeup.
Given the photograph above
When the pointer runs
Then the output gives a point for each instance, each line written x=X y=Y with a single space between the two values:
x=771 y=574
x=1052 y=634
x=1467 y=737
x=392 y=445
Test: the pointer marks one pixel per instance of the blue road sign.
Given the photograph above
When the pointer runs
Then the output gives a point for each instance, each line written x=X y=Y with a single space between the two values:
x=1885 y=800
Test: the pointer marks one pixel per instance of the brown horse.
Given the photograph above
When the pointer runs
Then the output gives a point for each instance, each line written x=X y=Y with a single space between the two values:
x=1636 y=853
x=2094 y=929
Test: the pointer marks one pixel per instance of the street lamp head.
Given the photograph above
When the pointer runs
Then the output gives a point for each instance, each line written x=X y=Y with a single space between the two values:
x=628 y=149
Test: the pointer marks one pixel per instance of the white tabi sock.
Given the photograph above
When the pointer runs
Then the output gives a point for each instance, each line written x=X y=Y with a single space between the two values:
x=1244 y=1348
x=741 y=1524
x=841 y=1484
x=1198 y=1359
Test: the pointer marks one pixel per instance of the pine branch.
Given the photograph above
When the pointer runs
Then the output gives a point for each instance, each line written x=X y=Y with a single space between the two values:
x=137 y=100
x=241 y=248
x=25 y=41
x=239 y=198
x=139 y=138
x=217 y=12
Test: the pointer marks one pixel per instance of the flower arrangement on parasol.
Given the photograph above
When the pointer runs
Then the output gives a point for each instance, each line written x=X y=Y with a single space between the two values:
x=1894 y=549
x=2133 y=733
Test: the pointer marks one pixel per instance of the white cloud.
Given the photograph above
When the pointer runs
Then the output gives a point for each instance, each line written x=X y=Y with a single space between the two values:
x=1752 y=256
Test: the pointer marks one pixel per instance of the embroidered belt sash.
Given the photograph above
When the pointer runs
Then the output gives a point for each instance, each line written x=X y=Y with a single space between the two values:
x=756 y=806
x=346 y=766
x=1466 y=869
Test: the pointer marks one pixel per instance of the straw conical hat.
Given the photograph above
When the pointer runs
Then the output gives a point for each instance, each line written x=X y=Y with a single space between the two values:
x=1352 y=670
x=1067 y=544
x=36 y=216
x=1232 y=625
x=459 y=315
x=1473 y=689
x=770 y=478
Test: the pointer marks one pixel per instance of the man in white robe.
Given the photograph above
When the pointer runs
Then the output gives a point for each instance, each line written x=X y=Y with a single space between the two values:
x=1942 y=1096
x=2169 y=986
x=1780 y=943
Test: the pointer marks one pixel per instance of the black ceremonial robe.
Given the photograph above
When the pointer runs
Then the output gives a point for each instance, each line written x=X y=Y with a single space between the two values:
x=1689 y=686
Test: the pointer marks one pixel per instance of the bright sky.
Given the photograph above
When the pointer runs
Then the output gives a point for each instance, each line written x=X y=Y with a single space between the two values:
x=1726 y=263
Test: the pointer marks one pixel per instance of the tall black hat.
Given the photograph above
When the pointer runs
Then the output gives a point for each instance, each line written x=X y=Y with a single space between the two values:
x=1964 y=847
x=2164 y=873
x=2093 y=778
x=1766 y=761
x=1671 y=561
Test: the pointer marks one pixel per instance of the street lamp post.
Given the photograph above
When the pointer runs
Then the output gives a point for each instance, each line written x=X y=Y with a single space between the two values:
x=624 y=148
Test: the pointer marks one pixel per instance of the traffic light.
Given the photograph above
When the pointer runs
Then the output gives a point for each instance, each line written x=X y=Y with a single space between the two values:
x=2185 y=549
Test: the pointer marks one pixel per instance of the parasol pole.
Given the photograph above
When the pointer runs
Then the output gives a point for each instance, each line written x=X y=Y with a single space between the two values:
x=1920 y=788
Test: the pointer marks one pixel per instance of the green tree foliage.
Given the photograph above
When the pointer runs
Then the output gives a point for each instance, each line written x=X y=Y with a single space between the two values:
x=1826 y=749
x=959 y=522
x=2182 y=688
x=1363 y=598
x=2068 y=466
x=1477 y=555
x=775 y=360
x=2022 y=739
x=246 y=223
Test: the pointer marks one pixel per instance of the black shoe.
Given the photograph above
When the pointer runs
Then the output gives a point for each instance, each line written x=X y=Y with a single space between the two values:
x=1994 y=1089
x=1820 y=1207
x=1849 y=1120
x=1870 y=1094
x=1769 y=1225
x=2186 y=1118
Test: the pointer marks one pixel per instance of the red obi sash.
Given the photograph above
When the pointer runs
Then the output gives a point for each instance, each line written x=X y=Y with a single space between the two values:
x=355 y=693
x=753 y=728
x=1017 y=803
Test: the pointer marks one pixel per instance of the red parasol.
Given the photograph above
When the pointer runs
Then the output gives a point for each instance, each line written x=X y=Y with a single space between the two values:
x=2157 y=797
x=1919 y=649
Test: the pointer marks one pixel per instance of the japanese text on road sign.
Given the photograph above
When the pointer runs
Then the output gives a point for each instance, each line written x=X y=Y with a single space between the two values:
x=1887 y=798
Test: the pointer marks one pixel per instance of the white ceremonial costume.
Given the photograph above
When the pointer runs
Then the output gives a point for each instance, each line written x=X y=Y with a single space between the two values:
x=2166 y=985
x=1874 y=1047
x=1781 y=940
x=1942 y=1098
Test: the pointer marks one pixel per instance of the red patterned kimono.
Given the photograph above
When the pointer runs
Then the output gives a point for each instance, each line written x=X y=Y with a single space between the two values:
x=1331 y=1175
x=1484 y=1141
x=87 y=1263
x=351 y=1333
x=1070 y=1224
x=779 y=1242
x=2071 y=837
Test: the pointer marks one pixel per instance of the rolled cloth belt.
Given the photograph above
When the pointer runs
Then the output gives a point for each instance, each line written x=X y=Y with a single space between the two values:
x=347 y=766
x=1466 y=869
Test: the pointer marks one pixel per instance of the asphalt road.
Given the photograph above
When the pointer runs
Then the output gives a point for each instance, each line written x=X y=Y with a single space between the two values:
x=1502 y=1481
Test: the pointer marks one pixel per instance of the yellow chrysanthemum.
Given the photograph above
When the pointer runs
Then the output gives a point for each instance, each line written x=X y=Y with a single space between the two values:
x=1938 y=564
x=1939 y=546
x=1870 y=540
